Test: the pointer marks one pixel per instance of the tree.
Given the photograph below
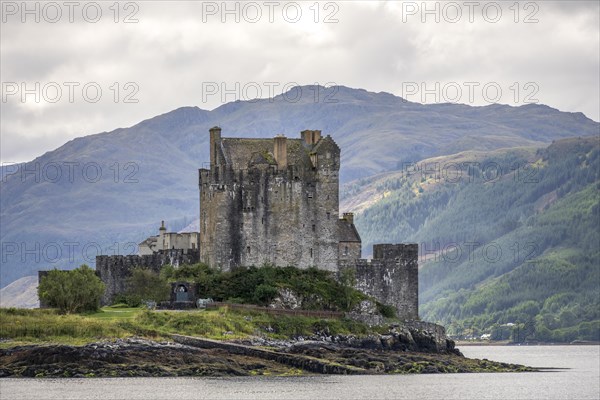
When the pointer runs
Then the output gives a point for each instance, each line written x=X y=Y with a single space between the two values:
x=145 y=284
x=73 y=291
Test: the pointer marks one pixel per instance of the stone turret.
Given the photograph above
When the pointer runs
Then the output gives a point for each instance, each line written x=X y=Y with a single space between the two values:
x=215 y=143
x=161 y=236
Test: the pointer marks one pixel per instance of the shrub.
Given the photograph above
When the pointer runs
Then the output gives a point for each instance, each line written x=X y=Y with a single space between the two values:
x=264 y=294
x=386 y=310
x=73 y=291
x=129 y=300
x=145 y=284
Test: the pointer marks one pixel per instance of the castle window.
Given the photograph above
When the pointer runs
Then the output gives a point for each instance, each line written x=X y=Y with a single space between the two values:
x=314 y=228
x=309 y=195
x=311 y=252
x=328 y=215
x=345 y=250
x=248 y=250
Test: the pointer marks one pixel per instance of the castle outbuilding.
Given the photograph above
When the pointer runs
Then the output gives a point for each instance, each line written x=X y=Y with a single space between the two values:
x=168 y=241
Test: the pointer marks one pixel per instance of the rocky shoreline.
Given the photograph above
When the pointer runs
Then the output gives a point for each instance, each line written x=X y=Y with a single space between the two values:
x=138 y=357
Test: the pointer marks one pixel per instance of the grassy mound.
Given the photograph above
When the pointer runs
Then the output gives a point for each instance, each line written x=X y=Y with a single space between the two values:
x=47 y=326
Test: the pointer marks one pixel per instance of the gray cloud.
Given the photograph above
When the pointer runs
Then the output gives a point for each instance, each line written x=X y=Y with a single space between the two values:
x=170 y=53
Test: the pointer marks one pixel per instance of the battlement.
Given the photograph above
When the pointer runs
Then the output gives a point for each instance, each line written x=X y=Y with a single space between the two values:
x=388 y=251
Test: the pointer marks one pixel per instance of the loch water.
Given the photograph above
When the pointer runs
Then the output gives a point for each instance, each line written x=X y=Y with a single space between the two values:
x=580 y=380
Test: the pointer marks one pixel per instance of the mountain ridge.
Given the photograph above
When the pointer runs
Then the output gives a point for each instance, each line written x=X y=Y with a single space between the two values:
x=149 y=170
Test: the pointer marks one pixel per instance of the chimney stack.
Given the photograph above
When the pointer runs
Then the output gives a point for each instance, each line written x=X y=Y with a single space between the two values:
x=161 y=235
x=349 y=217
x=310 y=137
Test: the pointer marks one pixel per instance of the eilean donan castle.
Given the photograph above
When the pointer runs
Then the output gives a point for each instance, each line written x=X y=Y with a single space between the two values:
x=276 y=201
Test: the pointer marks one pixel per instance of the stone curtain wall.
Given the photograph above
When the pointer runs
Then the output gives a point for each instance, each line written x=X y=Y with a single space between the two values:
x=115 y=270
x=391 y=279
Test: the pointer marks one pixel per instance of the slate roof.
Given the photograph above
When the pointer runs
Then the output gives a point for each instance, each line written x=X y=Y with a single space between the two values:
x=149 y=241
x=347 y=232
x=322 y=143
x=240 y=152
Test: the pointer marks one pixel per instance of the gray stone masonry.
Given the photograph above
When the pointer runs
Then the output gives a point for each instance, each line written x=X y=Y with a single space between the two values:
x=391 y=277
x=272 y=201
x=115 y=270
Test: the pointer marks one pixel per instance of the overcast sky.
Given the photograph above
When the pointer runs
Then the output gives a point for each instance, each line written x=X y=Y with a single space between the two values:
x=165 y=55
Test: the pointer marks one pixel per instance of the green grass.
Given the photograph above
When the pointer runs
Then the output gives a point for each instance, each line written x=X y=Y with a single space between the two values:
x=115 y=313
x=224 y=323
x=47 y=326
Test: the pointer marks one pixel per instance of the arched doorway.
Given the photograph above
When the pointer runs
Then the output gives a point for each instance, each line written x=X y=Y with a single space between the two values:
x=181 y=293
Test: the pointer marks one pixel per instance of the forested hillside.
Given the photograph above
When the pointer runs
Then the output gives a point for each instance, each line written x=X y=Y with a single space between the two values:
x=511 y=239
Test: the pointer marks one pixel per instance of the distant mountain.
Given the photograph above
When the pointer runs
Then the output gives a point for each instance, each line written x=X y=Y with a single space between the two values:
x=105 y=192
x=506 y=237
x=21 y=293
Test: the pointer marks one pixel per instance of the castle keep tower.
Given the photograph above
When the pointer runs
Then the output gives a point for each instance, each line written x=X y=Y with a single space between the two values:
x=274 y=201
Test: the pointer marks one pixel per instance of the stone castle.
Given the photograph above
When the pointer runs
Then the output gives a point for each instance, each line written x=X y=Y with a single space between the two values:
x=275 y=201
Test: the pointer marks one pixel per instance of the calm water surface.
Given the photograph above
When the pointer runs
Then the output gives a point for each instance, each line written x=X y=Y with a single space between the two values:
x=581 y=381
